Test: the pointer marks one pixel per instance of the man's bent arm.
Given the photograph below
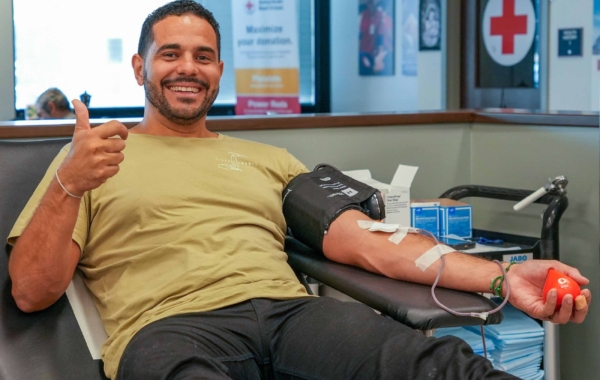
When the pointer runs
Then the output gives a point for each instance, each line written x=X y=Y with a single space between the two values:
x=44 y=258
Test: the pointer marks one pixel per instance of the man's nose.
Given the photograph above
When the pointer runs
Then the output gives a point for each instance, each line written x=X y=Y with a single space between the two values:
x=187 y=65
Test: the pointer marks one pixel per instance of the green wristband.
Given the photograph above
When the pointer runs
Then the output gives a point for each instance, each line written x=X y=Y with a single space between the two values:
x=496 y=286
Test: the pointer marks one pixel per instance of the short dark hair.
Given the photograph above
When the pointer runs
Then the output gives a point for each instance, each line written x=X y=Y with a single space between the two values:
x=176 y=8
x=55 y=96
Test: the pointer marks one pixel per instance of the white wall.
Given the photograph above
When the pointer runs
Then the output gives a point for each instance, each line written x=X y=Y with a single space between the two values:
x=429 y=81
x=353 y=93
x=573 y=81
x=381 y=149
x=7 y=79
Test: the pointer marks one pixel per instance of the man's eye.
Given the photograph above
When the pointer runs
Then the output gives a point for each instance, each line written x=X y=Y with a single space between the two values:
x=169 y=55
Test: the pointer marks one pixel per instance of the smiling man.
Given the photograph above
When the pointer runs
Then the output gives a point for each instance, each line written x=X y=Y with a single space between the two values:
x=180 y=74
x=179 y=233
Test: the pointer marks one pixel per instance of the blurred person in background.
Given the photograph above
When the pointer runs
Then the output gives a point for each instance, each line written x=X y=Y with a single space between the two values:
x=53 y=104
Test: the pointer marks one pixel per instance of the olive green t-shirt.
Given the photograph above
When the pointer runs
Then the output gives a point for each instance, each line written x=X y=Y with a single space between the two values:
x=187 y=225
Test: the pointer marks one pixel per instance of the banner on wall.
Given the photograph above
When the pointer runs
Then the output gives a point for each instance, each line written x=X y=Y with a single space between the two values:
x=265 y=53
x=596 y=37
x=410 y=37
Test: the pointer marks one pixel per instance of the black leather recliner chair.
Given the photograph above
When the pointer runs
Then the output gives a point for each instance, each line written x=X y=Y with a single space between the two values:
x=50 y=345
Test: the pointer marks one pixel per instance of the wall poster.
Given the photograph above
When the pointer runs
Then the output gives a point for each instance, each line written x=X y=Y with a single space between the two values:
x=266 y=56
x=410 y=37
x=376 y=37
x=430 y=25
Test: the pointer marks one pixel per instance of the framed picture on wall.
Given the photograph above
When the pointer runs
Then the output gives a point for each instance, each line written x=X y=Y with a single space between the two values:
x=430 y=25
x=376 y=37
x=570 y=42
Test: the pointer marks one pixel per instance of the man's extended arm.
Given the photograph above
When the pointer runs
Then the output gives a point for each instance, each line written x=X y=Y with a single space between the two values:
x=347 y=243
x=44 y=258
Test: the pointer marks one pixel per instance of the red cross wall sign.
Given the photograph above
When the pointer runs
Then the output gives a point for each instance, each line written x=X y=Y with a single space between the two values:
x=508 y=30
x=250 y=7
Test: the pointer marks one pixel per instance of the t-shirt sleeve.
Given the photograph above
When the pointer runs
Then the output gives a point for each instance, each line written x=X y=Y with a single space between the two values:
x=81 y=226
x=295 y=167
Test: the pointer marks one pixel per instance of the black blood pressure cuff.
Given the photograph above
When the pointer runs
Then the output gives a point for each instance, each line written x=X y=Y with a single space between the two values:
x=312 y=201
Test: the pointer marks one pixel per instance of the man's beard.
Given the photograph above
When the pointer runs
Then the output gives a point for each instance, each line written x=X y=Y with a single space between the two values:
x=179 y=116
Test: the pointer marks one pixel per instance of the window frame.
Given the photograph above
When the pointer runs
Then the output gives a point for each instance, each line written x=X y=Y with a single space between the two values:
x=322 y=77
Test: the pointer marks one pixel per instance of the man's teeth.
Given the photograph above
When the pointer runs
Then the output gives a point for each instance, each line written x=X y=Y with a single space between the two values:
x=184 y=89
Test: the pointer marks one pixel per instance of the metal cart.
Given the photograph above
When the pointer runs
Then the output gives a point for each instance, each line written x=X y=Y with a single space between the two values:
x=544 y=247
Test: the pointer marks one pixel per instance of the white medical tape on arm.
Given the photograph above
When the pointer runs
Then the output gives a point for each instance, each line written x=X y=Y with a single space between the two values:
x=399 y=235
x=365 y=224
x=432 y=255
x=383 y=227
x=377 y=226
x=399 y=232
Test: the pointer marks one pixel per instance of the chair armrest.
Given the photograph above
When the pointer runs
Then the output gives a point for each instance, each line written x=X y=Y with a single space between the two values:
x=87 y=316
x=406 y=302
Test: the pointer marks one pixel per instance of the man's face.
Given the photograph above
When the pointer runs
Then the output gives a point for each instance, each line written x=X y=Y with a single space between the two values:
x=42 y=113
x=181 y=71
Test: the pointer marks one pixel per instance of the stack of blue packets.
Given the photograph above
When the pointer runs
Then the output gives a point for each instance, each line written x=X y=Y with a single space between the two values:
x=517 y=341
x=472 y=339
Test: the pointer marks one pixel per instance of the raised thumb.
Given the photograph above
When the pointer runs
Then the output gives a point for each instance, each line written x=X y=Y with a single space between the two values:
x=82 y=116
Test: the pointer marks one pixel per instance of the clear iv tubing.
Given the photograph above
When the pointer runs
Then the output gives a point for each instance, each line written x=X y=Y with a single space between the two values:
x=437 y=279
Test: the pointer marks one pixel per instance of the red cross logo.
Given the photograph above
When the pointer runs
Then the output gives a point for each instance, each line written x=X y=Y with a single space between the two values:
x=508 y=30
x=508 y=26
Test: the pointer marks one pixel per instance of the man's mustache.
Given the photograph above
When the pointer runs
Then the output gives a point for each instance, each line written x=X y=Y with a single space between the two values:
x=202 y=83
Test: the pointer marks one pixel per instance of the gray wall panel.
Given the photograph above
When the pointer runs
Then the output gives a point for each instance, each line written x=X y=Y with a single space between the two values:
x=442 y=153
x=7 y=72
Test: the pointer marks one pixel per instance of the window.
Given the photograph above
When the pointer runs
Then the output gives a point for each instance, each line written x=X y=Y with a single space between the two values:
x=87 y=46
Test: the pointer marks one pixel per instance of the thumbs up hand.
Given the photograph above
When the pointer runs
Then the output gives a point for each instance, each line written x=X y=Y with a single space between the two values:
x=94 y=156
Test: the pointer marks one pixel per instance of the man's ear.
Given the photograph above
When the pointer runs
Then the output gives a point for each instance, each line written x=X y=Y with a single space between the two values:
x=221 y=67
x=137 y=63
x=51 y=108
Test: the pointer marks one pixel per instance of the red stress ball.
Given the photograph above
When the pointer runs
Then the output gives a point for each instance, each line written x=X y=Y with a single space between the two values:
x=563 y=284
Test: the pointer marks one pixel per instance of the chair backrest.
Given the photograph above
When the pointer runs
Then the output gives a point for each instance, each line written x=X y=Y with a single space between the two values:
x=22 y=166
x=46 y=344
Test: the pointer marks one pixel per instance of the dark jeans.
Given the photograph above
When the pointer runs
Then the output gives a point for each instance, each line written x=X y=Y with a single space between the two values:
x=307 y=338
